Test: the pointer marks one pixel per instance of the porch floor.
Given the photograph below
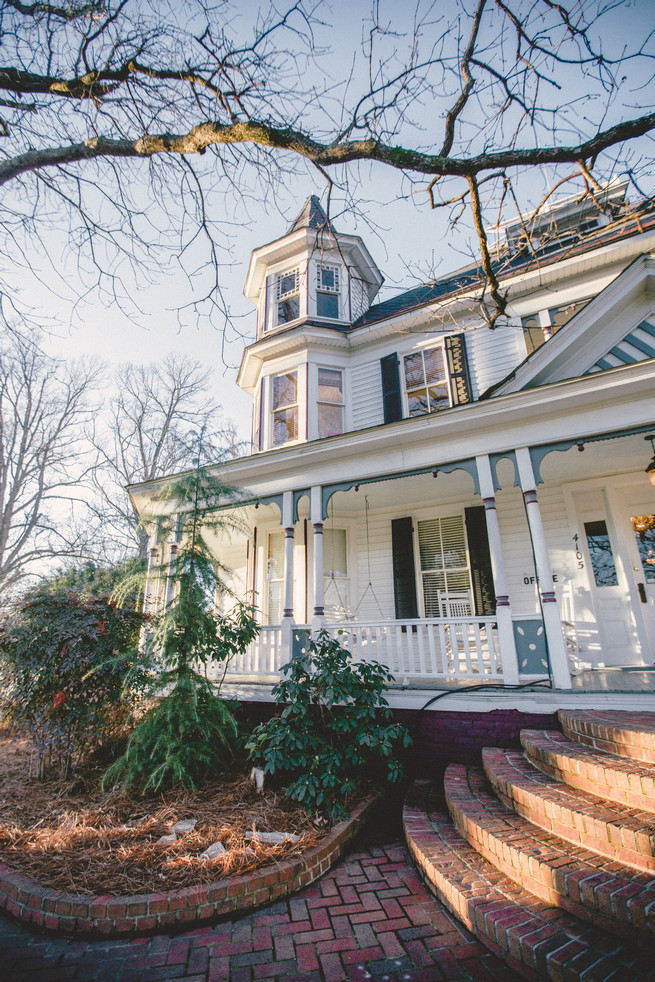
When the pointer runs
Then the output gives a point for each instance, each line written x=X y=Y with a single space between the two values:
x=637 y=678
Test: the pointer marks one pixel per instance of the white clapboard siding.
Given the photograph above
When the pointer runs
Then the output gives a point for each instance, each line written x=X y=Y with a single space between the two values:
x=376 y=603
x=366 y=394
x=491 y=354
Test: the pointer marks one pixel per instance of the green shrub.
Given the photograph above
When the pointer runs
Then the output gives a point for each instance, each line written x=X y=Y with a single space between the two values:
x=336 y=728
x=72 y=673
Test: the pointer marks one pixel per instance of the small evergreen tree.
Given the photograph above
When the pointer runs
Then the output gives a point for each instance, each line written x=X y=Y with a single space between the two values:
x=190 y=732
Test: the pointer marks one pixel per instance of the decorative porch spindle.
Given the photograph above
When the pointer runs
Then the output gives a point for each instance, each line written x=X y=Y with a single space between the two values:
x=503 y=609
x=559 y=664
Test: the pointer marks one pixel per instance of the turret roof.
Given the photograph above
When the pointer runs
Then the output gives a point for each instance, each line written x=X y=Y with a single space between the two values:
x=311 y=216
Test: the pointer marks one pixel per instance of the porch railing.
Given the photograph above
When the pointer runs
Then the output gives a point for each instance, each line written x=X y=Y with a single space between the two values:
x=427 y=649
x=264 y=657
x=413 y=650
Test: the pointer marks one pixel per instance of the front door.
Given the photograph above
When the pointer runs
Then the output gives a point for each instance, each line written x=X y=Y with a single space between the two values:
x=602 y=541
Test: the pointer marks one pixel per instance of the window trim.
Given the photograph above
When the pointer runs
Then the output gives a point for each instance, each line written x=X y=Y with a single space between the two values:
x=403 y=379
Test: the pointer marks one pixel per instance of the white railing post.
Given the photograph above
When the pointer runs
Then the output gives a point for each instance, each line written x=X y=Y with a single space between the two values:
x=506 y=638
x=316 y=515
x=559 y=664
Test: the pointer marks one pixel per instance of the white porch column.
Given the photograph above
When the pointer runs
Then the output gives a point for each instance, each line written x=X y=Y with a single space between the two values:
x=559 y=663
x=503 y=609
x=170 y=584
x=287 y=617
x=316 y=515
x=148 y=590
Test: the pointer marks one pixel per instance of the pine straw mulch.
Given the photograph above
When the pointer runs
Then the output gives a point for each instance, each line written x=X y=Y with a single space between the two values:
x=69 y=835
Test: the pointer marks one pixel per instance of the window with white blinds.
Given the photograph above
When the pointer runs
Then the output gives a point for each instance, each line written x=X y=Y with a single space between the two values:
x=445 y=573
x=335 y=571
x=275 y=577
x=426 y=385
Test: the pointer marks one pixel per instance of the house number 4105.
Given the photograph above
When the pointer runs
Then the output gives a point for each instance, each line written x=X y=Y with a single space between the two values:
x=578 y=554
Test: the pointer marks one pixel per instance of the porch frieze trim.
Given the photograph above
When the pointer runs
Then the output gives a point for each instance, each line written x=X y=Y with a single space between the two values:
x=468 y=465
x=540 y=452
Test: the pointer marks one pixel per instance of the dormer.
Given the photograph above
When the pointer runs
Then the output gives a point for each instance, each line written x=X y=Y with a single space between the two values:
x=313 y=274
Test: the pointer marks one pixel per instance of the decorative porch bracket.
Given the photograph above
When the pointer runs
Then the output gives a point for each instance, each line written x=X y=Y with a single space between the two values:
x=537 y=454
x=461 y=465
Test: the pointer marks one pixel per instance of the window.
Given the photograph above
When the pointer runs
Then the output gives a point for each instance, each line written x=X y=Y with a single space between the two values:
x=330 y=402
x=327 y=291
x=445 y=575
x=335 y=570
x=600 y=553
x=284 y=408
x=426 y=385
x=275 y=577
x=287 y=296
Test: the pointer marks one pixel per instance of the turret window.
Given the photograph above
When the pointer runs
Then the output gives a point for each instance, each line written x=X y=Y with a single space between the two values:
x=327 y=291
x=287 y=296
x=284 y=408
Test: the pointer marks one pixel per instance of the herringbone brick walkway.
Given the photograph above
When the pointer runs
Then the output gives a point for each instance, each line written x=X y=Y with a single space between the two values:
x=368 y=918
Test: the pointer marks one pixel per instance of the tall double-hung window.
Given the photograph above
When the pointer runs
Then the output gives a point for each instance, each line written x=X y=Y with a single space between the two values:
x=327 y=291
x=444 y=567
x=426 y=382
x=287 y=295
x=330 y=402
x=284 y=408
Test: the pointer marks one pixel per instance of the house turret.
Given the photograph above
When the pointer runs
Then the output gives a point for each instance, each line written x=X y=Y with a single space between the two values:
x=309 y=287
x=312 y=274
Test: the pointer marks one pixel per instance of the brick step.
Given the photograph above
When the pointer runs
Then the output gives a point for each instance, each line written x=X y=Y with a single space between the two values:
x=539 y=941
x=626 y=734
x=627 y=782
x=591 y=887
x=624 y=834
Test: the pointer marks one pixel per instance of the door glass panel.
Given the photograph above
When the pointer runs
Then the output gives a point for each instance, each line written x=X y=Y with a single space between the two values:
x=644 y=528
x=600 y=553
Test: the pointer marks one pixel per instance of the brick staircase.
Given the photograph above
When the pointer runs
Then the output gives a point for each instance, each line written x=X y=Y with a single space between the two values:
x=549 y=854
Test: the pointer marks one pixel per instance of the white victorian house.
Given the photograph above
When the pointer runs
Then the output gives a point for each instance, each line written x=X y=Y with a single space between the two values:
x=467 y=505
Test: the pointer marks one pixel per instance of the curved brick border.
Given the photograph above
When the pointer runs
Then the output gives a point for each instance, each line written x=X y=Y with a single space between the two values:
x=111 y=916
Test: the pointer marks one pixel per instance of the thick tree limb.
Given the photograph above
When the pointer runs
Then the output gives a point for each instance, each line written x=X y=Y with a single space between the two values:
x=199 y=138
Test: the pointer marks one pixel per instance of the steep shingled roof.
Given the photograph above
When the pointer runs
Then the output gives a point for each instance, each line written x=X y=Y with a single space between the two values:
x=311 y=216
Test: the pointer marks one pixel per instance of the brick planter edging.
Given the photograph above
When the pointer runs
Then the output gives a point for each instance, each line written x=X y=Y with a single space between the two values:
x=113 y=916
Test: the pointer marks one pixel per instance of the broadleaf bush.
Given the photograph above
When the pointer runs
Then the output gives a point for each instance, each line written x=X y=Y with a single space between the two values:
x=335 y=731
x=72 y=674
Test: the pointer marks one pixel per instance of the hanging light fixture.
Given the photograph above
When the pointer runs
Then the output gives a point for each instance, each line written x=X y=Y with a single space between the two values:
x=650 y=470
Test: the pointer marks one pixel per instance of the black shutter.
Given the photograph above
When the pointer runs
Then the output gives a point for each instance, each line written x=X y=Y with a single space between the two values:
x=484 y=594
x=404 y=575
x=391 y=388
x=458 y=369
